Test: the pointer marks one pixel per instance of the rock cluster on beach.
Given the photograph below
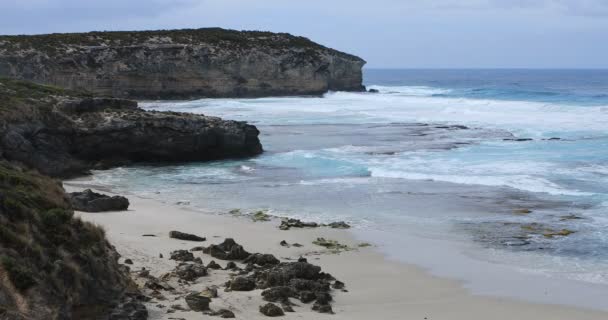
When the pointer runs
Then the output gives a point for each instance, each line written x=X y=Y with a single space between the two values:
x=64 y=133
x=181 y=64
x=282 y=285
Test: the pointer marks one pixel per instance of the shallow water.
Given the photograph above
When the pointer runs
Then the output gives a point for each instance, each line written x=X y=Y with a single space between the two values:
x=433 y=158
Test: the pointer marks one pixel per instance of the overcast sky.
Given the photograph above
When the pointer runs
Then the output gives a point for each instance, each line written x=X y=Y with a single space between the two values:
x=387 y=33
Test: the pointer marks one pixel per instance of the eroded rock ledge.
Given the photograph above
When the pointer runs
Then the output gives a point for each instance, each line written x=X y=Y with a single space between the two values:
x=181 y=64
x=63 y=133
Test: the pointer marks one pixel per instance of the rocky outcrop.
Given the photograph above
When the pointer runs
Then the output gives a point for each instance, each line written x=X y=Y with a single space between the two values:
x=90 y=201
x=181 y=64
x=65 y=133
x=52 y=264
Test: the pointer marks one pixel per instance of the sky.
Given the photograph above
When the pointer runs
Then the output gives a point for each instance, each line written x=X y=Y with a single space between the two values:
x=386 y=33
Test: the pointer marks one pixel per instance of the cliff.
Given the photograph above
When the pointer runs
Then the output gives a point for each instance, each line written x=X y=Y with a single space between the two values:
x=65 y=133
x=181 y=64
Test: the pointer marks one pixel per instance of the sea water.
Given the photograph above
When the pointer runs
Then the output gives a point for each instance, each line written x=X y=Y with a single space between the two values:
x=436 y=169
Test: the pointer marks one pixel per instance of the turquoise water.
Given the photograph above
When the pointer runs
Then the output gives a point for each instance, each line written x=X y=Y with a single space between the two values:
x=446 y=155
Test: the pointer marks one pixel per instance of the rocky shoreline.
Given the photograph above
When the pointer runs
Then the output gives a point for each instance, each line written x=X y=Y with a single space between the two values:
x=65 y=133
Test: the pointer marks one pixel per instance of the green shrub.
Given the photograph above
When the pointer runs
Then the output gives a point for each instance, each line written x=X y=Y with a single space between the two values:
x=21 y=276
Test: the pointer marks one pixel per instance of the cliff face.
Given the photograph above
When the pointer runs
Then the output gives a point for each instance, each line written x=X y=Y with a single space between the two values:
x=181 y=64
x=64 y=133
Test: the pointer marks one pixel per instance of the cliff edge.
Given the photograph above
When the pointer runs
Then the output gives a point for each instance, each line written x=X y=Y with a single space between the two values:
x=64 y=133
x=181 y=64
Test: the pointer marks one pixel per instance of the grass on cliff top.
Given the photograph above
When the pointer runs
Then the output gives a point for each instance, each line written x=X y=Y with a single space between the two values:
x=53 y=43
x=16 y=93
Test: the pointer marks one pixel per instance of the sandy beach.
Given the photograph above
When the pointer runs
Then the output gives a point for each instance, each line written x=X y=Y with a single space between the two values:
x=376 y=288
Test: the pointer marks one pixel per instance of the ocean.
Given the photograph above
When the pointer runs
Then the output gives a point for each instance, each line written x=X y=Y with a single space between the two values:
x=498 y=178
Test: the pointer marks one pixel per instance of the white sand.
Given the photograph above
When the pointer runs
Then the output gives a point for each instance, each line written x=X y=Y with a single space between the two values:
x=378 y=289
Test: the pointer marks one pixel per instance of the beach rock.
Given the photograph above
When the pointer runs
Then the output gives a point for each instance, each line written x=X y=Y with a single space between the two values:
x=242 y=284
x=287 y=307
x=181 y=255
x=262 y=259
x=155 y=284
x=227 y=250
x=197 y=302
x=284 y=243
x=222 y=313
x=339 y=225
x=90 y=201
x=213 y=265
x=373 y=91
x=231 y=266
x=197 y=249
x=181 y=64
x=185 y=236
x=287 y=224
x=198 y=260
x=323 y=298
x=322 y=308
x=278 y=294
x=271 y=310
x=307 y=296
x=338 y=285
x=190 y=272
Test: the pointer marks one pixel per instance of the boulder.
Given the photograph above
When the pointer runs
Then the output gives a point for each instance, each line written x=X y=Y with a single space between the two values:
x=190 y=272
x=339 y=225
x=182 y=255
x=278 y=294
x=90 y=201
x=242 y=284
x=287 y=224
x=223 y=313
x=262 y=259
x=227 y=250
x=271 y=310
x=213 y=265
x=185 y=236
x=197 y=302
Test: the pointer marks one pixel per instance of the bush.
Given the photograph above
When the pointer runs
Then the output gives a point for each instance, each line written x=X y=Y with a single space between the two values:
x=21 y=276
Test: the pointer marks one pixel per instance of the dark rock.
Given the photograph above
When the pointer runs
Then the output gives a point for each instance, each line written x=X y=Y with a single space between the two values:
x=90 y=201
x=185 y=236
x=227 y=250
x=197 y=249
x=271 y=310
x=231 y=266
x=309 y=285
x=307 y=296
x=222 y=313
x=323 y=298
x=322 y=308
x=160 y=255
x=302 y=259
x=198 y=260
x=262 y=259
x=196 y=302
x=213 y=265
x=190 y=272
x=373 y=91
x=128 y=261
x=338 y=285
x=339 y=225
x=46 y=132
x=242 y=284
x=284 y=243
x=278 y=294
x=287 y=224
x=182 y=255
x=297 y=245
